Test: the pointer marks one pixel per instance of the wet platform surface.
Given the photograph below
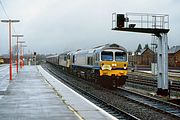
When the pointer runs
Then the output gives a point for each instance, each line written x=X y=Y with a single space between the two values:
x=83 y=107
x=29 y=97
x=4 y=78
x=34 y=94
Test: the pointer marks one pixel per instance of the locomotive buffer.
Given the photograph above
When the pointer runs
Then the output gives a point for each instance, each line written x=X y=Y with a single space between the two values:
x=157 y=24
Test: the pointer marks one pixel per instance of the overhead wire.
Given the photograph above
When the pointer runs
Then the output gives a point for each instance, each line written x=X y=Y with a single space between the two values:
x=3 y=8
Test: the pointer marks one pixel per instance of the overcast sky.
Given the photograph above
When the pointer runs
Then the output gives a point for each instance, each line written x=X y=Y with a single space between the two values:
x=54 y=26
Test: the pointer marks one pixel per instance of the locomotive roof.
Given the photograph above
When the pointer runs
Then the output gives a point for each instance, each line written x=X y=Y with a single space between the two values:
x=98 y=48
x=50 y=56
x=111 y=46
x=86 y=51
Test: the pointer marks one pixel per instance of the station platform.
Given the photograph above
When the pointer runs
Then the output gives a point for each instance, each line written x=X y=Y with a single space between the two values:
x=34 y=94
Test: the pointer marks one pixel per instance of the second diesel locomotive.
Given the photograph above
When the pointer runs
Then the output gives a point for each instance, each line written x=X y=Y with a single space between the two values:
x=106 y=65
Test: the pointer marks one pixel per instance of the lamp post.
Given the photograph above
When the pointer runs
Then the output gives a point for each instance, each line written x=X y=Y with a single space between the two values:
x=21 y=59
x=17 y=50
x=22 y=52
x=10 y=48
x=23 y=46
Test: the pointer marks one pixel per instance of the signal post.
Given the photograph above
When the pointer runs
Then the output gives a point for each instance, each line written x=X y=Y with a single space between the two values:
x=156 y=24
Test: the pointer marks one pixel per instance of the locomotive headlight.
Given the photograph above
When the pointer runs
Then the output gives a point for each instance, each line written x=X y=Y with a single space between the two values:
x=125 y=66
x=106 y=67
x=114 y=65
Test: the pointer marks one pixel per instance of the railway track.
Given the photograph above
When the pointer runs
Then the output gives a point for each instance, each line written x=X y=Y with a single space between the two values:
x=162 y=107
x=156 y=104
x=151 y=81
x=116 y=112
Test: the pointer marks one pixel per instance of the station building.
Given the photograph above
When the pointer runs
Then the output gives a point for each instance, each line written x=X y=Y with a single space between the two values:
x=147 y=56
x=174 y=56
x=144 y=57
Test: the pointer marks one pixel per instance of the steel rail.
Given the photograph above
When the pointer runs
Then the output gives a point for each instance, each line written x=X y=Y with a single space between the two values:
x=158 y=105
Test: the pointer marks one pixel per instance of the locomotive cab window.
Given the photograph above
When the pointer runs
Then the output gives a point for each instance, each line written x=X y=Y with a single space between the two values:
x=68 y=56
x=120 y=56
x=73 y=58
x=65 y=58
x=106 y=56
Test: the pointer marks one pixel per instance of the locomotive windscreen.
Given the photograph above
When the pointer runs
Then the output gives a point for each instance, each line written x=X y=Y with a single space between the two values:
x=106 y=56
x=120 y=56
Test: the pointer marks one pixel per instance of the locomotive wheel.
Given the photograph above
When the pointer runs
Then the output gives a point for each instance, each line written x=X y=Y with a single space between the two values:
x=97 y=78
x=107 y=82
x=120 y=81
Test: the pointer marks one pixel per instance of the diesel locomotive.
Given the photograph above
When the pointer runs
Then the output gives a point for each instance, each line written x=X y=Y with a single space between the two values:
x=106 y=65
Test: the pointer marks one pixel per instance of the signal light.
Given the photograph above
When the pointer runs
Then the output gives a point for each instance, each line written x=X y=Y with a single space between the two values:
x=120 y=20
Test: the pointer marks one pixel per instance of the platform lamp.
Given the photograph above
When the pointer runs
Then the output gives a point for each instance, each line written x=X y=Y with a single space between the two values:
x=22 y=52
x=17 y=61
x=10 y=48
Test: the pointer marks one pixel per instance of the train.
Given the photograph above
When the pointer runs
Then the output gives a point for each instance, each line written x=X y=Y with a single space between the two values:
x=106 y=65
x=1 y=60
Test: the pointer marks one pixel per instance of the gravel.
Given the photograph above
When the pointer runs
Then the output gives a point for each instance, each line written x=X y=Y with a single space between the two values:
x=133 y=108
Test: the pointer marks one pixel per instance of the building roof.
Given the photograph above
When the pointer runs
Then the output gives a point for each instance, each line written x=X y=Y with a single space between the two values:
x=174 y=49
x=143 y=50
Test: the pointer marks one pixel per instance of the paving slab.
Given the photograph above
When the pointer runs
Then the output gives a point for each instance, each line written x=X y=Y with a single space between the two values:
x=3 y=86
x=4 y=78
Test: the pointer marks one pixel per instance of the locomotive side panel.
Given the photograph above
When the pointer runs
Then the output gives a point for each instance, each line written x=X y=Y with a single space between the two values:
x=52 y=59
x=62 y=60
